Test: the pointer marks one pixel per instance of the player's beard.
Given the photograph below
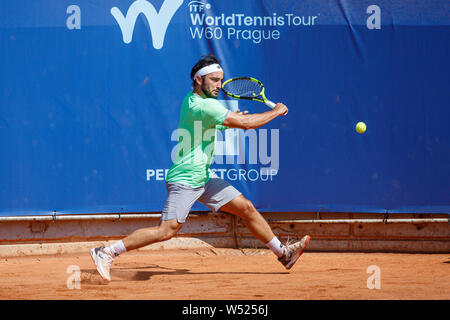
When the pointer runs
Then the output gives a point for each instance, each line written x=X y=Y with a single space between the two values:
x=208 y=93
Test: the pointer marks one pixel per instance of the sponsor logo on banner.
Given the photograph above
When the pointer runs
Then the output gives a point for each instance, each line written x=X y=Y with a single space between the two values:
x=205 y=25
x=157 y=21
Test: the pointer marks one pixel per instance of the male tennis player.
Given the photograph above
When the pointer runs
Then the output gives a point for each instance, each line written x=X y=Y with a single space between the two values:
x=190 y=179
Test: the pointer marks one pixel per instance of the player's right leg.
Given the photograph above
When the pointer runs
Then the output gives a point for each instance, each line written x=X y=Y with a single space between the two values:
x=146 y=236
x=178 y=204
x=103 y=257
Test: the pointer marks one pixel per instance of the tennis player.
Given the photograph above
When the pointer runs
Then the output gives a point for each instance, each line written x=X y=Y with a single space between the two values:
x=190 y=178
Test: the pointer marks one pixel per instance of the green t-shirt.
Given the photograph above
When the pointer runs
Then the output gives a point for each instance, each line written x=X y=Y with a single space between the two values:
x=199 y=120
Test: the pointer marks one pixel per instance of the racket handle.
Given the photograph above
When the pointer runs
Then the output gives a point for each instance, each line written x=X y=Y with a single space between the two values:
x=270 y=104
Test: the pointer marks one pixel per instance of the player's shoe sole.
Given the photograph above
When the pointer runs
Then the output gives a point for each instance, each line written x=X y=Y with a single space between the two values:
x=295 y=251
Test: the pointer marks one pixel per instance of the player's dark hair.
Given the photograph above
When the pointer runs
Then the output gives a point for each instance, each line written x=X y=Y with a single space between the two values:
x=205 y=61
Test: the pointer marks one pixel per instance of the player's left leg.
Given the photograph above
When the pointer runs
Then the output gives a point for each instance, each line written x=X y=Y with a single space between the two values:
x=253 y=220
x=219 y=195
x=287 y=254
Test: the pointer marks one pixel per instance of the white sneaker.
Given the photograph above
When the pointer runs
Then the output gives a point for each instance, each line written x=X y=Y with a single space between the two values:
x=103 y=262
x=293 y=252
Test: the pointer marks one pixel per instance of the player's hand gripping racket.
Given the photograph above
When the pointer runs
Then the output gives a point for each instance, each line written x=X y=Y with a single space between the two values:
x=246 y=88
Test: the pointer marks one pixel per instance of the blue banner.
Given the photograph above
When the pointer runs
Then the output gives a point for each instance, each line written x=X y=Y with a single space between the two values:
x=90 y=94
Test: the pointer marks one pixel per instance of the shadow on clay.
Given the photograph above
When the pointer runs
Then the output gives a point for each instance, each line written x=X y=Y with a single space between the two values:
x=91 y=276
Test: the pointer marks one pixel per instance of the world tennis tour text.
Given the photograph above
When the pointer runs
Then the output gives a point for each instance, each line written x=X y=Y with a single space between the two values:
x=237 y=26
x=206 y=25
x=256 y=36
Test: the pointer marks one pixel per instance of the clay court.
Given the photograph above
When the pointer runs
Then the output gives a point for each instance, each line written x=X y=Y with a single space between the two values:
x=227 y=274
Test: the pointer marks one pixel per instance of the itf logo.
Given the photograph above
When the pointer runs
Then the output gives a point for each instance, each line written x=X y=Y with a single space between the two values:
x=198 y=6
x=158 y=22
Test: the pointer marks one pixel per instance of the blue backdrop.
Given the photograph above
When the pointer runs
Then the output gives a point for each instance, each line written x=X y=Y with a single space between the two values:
x=90 y=94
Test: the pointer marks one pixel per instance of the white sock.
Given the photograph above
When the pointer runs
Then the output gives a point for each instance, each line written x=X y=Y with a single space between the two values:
x=276 y=246
x=115 y=249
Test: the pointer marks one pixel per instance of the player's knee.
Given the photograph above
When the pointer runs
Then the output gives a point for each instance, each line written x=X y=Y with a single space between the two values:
x=167 y=235
x=168 y=231
x=248 y=210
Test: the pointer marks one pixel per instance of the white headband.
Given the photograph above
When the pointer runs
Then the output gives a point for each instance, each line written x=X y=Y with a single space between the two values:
x=207 y=70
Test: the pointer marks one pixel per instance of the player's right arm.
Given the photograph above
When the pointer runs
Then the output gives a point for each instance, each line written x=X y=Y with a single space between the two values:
x=252 y=121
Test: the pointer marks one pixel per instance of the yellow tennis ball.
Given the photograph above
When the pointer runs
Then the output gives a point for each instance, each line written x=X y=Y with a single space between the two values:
x=360 y=127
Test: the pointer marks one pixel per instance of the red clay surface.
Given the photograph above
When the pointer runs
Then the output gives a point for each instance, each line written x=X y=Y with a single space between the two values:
x=227 y=274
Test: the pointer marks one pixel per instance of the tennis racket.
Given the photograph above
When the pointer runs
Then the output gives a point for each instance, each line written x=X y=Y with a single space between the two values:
x=246 y=88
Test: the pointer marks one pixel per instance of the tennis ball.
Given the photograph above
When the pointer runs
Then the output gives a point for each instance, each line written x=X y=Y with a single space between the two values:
x=360 y=127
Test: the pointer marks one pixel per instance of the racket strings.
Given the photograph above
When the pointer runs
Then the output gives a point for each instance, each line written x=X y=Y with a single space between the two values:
x=243 y=88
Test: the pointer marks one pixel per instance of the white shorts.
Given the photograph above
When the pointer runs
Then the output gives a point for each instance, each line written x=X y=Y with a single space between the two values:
x=214 y=194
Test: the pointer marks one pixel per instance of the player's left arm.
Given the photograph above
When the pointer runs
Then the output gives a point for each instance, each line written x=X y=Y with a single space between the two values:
x=255 y=120
x=222 y=127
